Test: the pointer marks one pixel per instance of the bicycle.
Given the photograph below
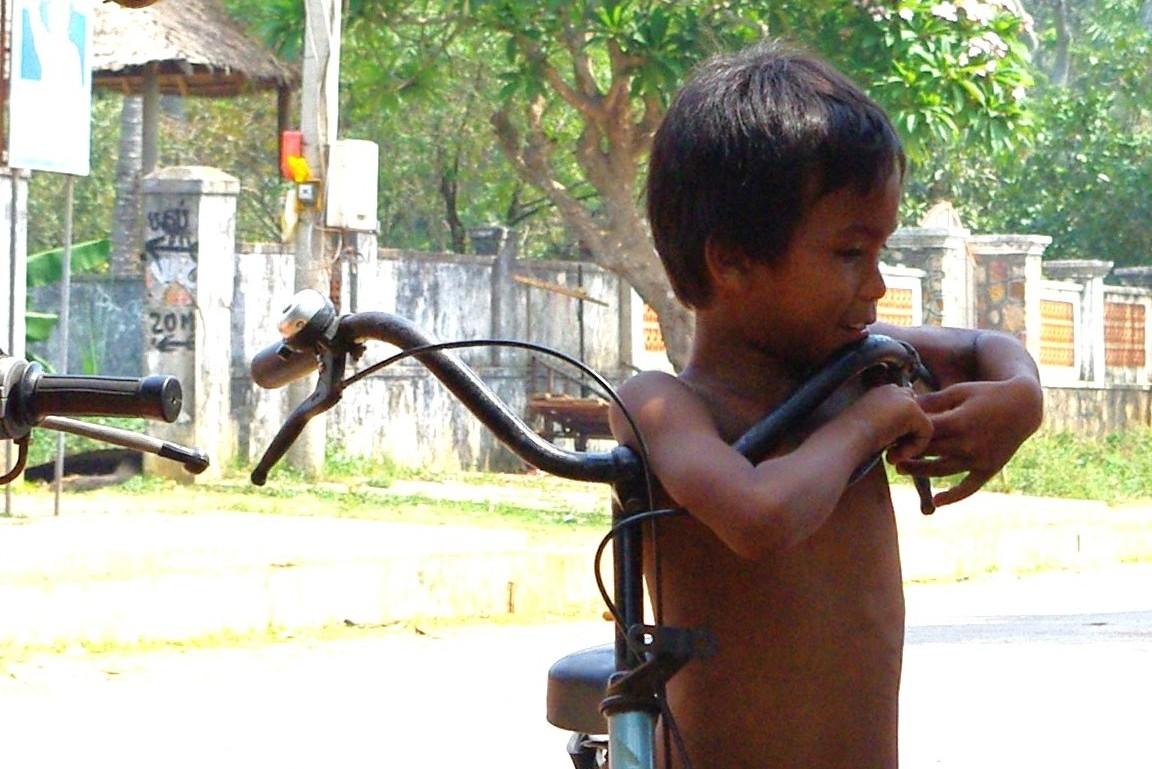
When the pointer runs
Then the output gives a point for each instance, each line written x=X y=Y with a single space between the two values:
x=608 y=697
x=31 y=398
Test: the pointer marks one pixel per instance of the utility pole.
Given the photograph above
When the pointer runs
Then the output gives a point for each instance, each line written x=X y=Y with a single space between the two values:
x=318 y=126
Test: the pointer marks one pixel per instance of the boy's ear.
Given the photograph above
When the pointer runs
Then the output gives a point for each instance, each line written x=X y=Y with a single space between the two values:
x=727 y=265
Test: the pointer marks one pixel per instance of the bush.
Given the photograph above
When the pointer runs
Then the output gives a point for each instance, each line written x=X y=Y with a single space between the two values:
x=1117 y=468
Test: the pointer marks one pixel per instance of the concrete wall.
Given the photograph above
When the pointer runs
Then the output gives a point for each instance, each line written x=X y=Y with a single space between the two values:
x=1097 y=410
x=404 y=414
x=106 y=334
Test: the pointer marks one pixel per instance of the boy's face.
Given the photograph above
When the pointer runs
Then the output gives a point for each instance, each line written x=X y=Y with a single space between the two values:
x=822 y=292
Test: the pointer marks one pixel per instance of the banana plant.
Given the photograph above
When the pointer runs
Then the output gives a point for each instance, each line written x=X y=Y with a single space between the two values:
x=47 y=267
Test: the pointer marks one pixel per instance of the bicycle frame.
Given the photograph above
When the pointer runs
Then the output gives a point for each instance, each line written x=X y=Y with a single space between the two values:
x=644 y=657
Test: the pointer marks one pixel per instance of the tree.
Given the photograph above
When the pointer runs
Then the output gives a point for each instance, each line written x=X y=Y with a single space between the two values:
x=585 y=84
x=1084 y=180
x=954 y=77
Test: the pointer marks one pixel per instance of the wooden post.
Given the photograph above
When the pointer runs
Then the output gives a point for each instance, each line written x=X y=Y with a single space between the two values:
x=150 y=120
x=318 y=122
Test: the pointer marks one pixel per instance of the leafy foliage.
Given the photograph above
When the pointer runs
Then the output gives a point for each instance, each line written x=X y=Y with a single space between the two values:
x=426 y=78
x=47 y=266
x=1116 y=468
x=1084 y=180
x=948 y=73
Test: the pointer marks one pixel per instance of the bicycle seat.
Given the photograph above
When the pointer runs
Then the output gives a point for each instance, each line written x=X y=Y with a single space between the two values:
x=577 y=683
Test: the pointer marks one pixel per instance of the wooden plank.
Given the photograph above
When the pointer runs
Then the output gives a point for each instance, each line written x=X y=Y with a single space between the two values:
x=575 y=293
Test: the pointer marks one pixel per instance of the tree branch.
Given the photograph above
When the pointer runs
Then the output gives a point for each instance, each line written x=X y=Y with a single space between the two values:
x=646 y=127
x=531 y=158
x=582 y=103
x=581 y=67
x=1062 y=65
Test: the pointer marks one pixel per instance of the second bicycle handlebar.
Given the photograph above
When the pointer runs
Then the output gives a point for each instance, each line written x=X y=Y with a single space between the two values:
x=31 y=398
x=28 y=396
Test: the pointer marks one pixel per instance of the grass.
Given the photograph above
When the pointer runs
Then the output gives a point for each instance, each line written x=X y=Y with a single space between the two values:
x=355 y=488
x=1115 y=469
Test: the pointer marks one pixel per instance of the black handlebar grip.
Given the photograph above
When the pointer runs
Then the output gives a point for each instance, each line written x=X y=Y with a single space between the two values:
x=278 y=365
x=152 y=397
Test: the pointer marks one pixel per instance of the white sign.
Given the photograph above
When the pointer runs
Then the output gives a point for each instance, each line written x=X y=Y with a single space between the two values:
x=50 y=96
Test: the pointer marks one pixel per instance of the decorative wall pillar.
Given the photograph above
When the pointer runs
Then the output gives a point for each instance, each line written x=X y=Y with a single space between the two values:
x=941 y=254
x=1007 y=271
x=1138 y=334
x=1090 y=337
x=189 y=267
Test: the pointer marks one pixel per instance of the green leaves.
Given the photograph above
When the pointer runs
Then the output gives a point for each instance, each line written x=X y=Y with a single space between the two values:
x=948 y=73
x=47 y=267
x=39 y=325
x=1084 y=177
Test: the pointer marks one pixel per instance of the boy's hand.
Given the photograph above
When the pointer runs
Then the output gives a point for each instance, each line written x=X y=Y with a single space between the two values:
x=977 y=428
x=898 y=423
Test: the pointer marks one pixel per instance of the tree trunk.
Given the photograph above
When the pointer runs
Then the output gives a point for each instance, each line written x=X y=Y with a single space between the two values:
x=449 y=188
x=1062 y=65
x=126 y=225
x=625 y=249
x=608 y=151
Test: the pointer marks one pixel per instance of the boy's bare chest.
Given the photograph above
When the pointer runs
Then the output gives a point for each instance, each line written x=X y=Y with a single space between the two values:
x=851 y=560
x=808 y=643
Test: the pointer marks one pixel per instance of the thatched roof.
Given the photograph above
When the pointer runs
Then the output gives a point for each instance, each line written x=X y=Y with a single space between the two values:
x=198 y=50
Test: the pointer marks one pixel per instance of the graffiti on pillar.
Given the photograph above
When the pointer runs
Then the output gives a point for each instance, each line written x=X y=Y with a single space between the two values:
x=170 y=257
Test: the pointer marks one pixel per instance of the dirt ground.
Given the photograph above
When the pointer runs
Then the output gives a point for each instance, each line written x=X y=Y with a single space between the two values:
x=462 y=696
x=436 y=695
x=473 y=695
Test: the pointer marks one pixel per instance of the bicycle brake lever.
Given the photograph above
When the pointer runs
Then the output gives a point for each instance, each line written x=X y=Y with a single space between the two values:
x=918 y=372
x=913 y=370
x=194 y=460
x=329 y=388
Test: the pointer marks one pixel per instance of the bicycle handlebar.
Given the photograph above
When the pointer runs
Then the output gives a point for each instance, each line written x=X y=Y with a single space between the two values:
x=288 y=360
x=325 y=344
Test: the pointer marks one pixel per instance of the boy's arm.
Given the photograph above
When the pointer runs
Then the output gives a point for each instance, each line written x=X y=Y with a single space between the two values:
x=759 y=509
x=989 y=402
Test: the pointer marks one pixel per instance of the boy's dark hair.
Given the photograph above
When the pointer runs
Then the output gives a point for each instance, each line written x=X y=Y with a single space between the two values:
x=749 y=142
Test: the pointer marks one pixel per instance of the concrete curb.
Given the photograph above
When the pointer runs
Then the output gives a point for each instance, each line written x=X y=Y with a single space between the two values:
x=152 y=577
x=131 y=578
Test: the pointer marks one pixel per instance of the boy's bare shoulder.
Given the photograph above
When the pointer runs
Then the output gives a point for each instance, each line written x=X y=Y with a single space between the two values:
x=651 y=388
x=645 y=381
x=653 y=399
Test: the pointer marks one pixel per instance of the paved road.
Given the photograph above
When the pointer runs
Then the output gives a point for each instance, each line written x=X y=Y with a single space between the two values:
x=1042 y=672
x=1053 y=672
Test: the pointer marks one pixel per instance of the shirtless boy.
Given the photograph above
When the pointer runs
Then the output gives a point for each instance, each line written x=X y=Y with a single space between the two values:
x=774 y=183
